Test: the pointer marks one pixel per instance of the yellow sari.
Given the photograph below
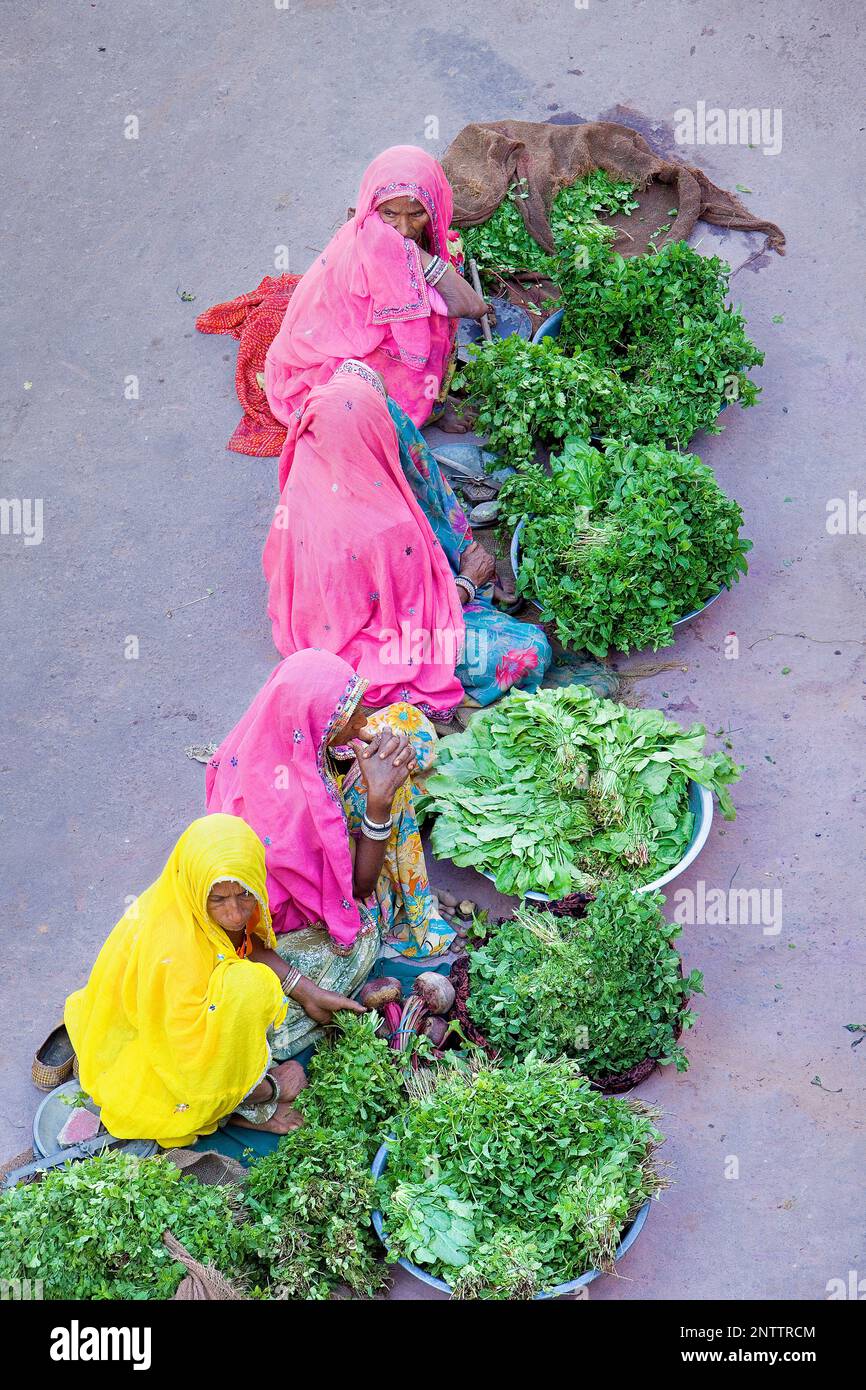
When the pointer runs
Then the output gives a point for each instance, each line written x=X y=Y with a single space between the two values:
x=170 y=1029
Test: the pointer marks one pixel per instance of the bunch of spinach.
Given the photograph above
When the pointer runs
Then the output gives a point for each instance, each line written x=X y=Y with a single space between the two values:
x=355 y=1083
x=93 y=1230
x=619 y=545
x=606 y=988
x=503 y=243
x=551 y=1171
x=559 y=790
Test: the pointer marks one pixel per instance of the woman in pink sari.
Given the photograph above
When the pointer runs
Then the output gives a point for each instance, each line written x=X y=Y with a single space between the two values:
x=327 y=786
x=385 y=290
x=354 y=565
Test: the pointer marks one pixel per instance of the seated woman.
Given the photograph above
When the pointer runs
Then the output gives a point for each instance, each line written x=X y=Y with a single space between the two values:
x=345 y=866
x=354 y=565
x=171 y=1029
x=386 y=290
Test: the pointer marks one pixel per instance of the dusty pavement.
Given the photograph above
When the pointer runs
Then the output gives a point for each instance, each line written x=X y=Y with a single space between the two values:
x=254 y=123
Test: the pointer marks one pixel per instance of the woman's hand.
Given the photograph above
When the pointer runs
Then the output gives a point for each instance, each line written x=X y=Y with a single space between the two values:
x=387 y=761
x=321 y=1004
x=477 y=564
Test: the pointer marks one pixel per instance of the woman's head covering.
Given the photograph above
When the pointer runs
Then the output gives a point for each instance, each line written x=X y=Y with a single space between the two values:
x=351 y=560
x=170 y=1029
x=366 y=296
x=273 y=769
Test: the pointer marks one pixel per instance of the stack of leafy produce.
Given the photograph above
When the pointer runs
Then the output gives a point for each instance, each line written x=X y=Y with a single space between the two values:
x=507 y=1181
x=648 y=352
x=310 y=1202
x=94 y=1230
x=606 y=988
x=502 y=243
x=619 y=545
x=557 y=791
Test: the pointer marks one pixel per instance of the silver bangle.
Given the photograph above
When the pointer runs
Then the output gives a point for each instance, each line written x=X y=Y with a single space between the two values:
x=435 y=270
x=382 y=833
x=378 y=824
x=290 y=981
x=466 y=583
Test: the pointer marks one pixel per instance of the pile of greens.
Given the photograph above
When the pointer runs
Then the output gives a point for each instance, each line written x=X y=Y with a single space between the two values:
x=502 y=243
x=560 y=790
x=507 y=1181
x=93 y=1230
x=310 y=1201
x=648 y=352
x=606 y=988
x=619 y=545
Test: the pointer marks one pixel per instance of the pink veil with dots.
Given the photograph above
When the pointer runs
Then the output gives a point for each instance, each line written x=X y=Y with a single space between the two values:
x=273 y=772
x=351 y=561
x=365 y=296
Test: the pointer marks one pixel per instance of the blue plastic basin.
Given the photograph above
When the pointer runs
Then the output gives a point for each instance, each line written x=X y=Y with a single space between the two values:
x=630 y=1235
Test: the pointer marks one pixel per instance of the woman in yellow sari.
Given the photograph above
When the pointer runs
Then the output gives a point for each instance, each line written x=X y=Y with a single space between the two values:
x=171 y=1028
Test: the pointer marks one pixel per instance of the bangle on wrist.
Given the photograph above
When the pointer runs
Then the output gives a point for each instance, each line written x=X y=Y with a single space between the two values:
x=290 y=981
x=376 y=832
x=378 y=824
x=465 y=583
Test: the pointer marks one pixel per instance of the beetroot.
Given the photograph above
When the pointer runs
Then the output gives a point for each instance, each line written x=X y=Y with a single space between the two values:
x=436 y=1029
x=375 y=994
x=436 y=991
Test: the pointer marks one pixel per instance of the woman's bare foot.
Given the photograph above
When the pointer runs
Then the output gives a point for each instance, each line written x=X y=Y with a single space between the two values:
x=291 y=1079
x=452 y=423
x=281 y=1122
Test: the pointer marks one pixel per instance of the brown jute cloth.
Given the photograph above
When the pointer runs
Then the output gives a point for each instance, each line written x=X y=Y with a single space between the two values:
x=484 y=160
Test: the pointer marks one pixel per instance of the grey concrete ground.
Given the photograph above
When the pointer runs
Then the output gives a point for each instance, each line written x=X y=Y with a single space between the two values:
x=254 y=125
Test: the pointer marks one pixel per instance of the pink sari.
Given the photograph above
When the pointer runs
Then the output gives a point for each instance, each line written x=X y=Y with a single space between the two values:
x=273 y=771
x=351 y=560
x=366 y=297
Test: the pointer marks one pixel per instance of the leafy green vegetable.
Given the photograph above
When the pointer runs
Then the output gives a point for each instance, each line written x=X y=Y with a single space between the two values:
x=607 y=988
x=310 y=1201
x=551 y=1170
x=648 y=352
x=355 y=1083
x=93 y=1230
x=619 y=545
x=310 y=1204
x=502 y=243
x=431 y=1224
x=559 y=790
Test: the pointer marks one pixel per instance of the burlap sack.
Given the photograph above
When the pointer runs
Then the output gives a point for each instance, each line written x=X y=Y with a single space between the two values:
x=484 y=160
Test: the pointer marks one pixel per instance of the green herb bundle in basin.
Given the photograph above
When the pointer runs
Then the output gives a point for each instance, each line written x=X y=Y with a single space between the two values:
x=93 y=1230
x=648 y=351
x=557 y=791
x=508 y=1181
x=619 y=545
x=606 y=988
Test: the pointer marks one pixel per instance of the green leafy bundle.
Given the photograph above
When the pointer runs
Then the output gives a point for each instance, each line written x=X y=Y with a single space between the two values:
x=532 y=392
x=560 y=790
x=619 y=545
x=550 y=1171
x=503 y=243
x=607 y=988
x=310 y=1202
x=355 y=1083
x=93 y=1230
x=660 y=321
x=648 y=352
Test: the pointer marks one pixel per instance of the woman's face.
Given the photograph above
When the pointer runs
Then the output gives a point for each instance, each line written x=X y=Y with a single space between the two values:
x=231 y=905
x=407 y=215
x=352 y=728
